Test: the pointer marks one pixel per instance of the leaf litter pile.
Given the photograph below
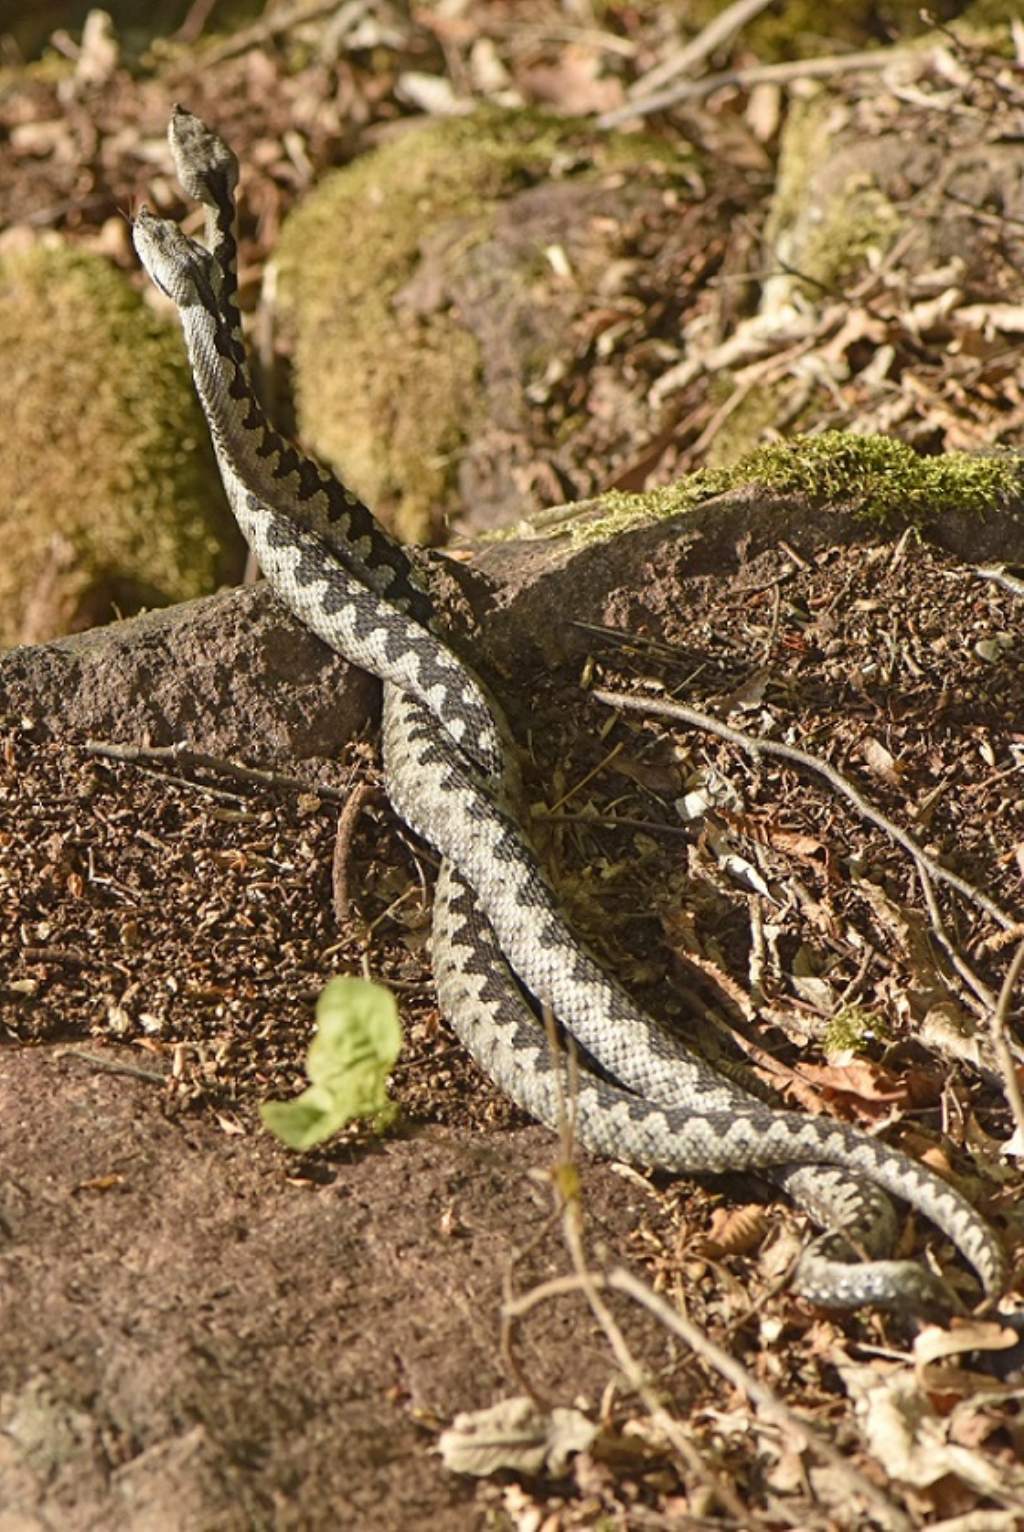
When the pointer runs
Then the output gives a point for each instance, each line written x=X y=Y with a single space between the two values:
x=921 y=343
x=196 y=925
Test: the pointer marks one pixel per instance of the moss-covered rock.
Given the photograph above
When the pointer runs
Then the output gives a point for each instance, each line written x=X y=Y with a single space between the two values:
x=879 y=478
x=109 y=495
x=832 y=212
x=398 y=363
x=881 y=266
x=793 y=29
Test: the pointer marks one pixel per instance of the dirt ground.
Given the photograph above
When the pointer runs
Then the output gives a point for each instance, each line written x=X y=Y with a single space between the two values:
x=195 y=1335
x=202 y=1330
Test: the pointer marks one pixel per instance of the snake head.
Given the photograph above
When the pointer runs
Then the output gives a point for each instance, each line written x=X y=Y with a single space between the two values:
x=180 y=268
x=206 y=168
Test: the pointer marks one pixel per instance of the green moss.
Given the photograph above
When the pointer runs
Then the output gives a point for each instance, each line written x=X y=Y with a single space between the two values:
x=109 y=496
x=829 y=239
x=50 y=70
x=880 y=478
x=795 y=29
x=743 y=428
x=853 y=1029
x=388 y=392
x=801 y=145
x=993 y=16
x=857 y=222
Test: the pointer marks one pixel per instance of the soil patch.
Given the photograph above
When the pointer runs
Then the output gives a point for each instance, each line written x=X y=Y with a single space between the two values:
x=201 y=1330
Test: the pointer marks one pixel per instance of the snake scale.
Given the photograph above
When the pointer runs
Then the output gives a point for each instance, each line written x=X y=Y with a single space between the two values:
x=451 y=769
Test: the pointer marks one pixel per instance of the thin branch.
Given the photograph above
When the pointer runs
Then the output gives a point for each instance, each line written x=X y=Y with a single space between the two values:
x=568 y=1200
x=590 y=1284
x=196 y=17
x=616 y=822
x=594 y=771
x=679 y=712
x=758 y=1393
x=1001 y=576
x=112 y=1066
x=182 y=755
x=983 y=995
x=347 y=821
x=703 y=1346
x=761 y=74
x=718 y=31
x=262 y=31
x=1002 y=1047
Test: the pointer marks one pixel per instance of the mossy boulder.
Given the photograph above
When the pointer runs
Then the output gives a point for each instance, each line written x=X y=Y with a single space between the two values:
x=835 y=207
x=880 y=479
x=435 y=291
x=894 y=231
x=109 y=495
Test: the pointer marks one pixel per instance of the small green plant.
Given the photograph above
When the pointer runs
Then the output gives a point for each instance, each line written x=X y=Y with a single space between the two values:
x=853 y=1029
x=357 y=1040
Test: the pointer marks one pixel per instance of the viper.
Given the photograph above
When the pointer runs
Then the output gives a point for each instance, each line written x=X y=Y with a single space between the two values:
x=504 y=954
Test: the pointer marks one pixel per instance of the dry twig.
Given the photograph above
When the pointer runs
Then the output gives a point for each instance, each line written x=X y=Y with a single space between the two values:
x=758 y=1393
x=1002 y=1047
x=981 y=996
x=112 y=1066
x=718 y=31
x=263 y=31
x=183 y=755
x=568 y=1201
x=347 y=821
x=756 y=746
x=768 y=1402
x=761 y=74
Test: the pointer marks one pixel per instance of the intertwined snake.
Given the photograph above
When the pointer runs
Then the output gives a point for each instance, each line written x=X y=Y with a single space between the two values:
x=451 y=770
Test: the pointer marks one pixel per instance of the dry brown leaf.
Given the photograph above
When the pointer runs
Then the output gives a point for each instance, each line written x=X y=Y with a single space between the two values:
x=935 y=1342
x=748 y=694
x=809 y=847
x=880 y=761
x=911 y=1441
x=860 y=1079
x=515 y=1434
x=657 y=776
x=576 y=83
x=736 y=1231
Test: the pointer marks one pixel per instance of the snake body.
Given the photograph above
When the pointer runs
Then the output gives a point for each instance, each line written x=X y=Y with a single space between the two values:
x=451 y=770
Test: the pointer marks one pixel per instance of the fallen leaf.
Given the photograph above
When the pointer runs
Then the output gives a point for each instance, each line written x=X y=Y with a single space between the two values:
x=910 y=1440
x=100 y=1183
x=879 y=761
x=432 y=94
x=577 y=83
x=353 y=1051
x=1005 y=317
x=935 y=1342
x=515 y=1434
x=735 y=1231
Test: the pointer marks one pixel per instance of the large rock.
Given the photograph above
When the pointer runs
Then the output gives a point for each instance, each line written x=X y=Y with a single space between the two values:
x=236 y=674
x=109 y=494
x=895 y=239
x=478 y=308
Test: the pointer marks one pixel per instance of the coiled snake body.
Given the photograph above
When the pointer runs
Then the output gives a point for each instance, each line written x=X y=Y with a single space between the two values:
x=451 y=771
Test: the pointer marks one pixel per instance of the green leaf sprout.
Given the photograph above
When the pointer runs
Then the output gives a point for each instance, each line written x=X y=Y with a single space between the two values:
x=353 y=1051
